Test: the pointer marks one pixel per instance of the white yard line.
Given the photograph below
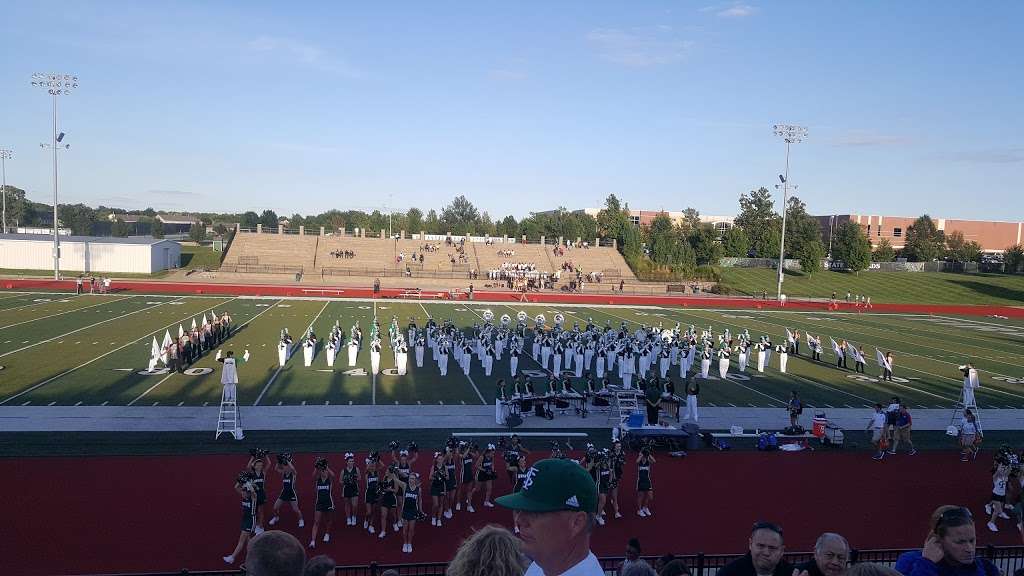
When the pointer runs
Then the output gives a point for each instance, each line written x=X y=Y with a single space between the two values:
x=35 y=303
x=373 y=376
x=468 y=377
x=162 y=380
x=278 y=371
x=84 y=364
x=65 y=312
x=87 y=327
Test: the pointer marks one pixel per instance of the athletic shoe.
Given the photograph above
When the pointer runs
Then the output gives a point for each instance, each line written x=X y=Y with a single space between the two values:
x=448 y=514
x=640 y=513
x=988 y=508
x=517 y=529
x=877 y=456
x=401 y=522
x=647 y=511
x=1004 y=516
x=470 y=508
x=259 y=530
x=487 y=503
x=912 y=452
x=963 y=457
x=891 y=452
x=273 y=520
x=992 y=527
x=439 y=523
x=312 y=544
x=327 y=538
x=433 y=521
x=383 y=533
x=618 y=515
x=458 y=505
x=302 y=523
x=366 y=524
x=600 y=521
x=371 y=529
x=410 y=548
x=229 y=559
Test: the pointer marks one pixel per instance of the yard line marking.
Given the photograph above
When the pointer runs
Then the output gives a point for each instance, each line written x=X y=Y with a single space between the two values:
x=731 y=404
x=82 y=365
x=79 y=403
x=751 y=405
x=470 y=378
x=79 y=330
x=829 y=406
x=373 y=375
x=164 y=379
x=848 y=406
x=425 y=310
x=712 y=404
x=52 y=403
x=105 y=402
x=27 y=306
x=205 y=404
x=60 y=313
x=26 y=403
x=290 y=349
x=155 y=403
x=279 y=402
x=181 y=403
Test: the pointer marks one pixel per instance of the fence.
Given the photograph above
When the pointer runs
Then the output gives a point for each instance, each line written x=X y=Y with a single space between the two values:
x=1007 y=558
x=773 y=263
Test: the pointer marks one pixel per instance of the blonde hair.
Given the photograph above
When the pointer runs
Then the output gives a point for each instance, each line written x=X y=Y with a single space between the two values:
x=490 y=551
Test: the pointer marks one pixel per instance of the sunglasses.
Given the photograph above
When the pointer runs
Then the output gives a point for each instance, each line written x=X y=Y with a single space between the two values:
x=766 y=526
x=947 y=517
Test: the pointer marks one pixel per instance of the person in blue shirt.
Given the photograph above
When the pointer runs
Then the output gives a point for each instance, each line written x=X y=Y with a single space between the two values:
x=949 y=549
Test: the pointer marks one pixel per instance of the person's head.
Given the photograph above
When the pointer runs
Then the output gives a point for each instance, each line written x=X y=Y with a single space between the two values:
x=674 y=568
x=878 y=407
x=490 y=551
x=766 y=546
x=831 y=553
x=663 y=561
x=954 y=528
x=903 y=408
x=871 y=569
x=633 y=549
x=793 y=394
x=275 y=553
x=231 y=353
x=321 y=565
x=638 y=569
x=555 y=511
x=258 y=465
x=894 y=400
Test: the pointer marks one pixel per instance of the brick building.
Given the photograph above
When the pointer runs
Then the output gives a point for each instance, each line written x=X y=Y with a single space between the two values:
x=993 y=236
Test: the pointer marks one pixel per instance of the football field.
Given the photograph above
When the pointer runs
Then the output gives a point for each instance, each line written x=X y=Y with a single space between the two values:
x=69 y=350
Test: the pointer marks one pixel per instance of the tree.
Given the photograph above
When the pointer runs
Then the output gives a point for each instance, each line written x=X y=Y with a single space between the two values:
x=631 y=242
x=961 y=250
x=414 y=219
x=612 y=220
x=119 y=229
x=158 y=229
x=460 y=217
x=508 y=226
x=852 y=247
x=149 y=212
x=803 y=238
x=735 y=243
x=972 y=251
x=924 y=241
x=691 y=219
x=759 y=221
x=884 y=251
x=78 y=217
x=704 y=242
x=432 y=223
x=249 y=220
x=663 y=240
x=197 y=233
x=268 y=219
x=1013 y=258
x=485 y=227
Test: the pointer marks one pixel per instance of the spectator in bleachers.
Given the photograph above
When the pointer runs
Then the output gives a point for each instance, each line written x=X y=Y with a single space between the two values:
x=275 y=553
x=633 y=556
x=674 y=568
x=949 y=549
x=831 y=553
x=764 y=557
x=555 y=512
x=663 y=561
x=490 y=551
x=321 y=565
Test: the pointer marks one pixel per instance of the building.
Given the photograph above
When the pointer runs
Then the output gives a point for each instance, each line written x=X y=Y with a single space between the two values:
x=89 y=254
x=645 y=217
x=177 y=223
x=992 y=235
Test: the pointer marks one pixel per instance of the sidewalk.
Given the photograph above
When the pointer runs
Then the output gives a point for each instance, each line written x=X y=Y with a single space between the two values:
x=184 y=419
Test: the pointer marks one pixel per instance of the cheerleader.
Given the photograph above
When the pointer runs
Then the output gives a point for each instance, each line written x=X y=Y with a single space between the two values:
x=389 y=487
x=372 y=496
x=244 y=487
x=520 y=478
x=411 y=511
x=485 y=475
x=257 y=466
x=467 y=454
x=618 y=462
x=604 y=483
x=286 y=468
x=438 y=477
x=350 y=489
x=1000 y=478
x=451 y=484
x=644 y=484
x=324 y=500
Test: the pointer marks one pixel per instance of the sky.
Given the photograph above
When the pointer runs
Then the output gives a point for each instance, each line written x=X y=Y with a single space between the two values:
x=911 y=106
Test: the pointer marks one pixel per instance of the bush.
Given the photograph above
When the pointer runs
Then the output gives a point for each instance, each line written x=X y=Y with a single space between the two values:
x=707 y=273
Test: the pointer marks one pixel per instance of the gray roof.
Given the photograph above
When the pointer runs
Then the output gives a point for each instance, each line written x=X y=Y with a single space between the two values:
x=135 y=240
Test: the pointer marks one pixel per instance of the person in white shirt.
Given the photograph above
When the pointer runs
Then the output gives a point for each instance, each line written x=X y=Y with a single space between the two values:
x=876 y=426
x=555 y=510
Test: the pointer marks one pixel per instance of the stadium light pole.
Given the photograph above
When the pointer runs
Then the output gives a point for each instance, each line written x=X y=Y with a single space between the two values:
x=5 y=155
x=791 y=134
x=55 y=85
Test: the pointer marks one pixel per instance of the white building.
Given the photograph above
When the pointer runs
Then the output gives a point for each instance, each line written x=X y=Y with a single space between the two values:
x=137 y=255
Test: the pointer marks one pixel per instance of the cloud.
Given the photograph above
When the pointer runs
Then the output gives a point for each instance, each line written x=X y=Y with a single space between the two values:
x=735 y=10
x=639 y=47
x=994 y=156
x=303 y=54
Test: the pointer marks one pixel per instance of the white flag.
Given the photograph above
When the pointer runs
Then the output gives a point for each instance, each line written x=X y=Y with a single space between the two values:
x=193 y=324
x=851 y=351
x=882 y=362
x=167 y=339
x=810 y=341
x=245 y=356
x=835 y=347
x=206 y=321
x=181 y=331
x=154 y=350
x=789 y=336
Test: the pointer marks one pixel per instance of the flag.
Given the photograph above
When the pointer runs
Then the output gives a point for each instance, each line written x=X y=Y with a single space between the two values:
x=167 y=339
x=181 y=331
x=156 y=352
x=851 y=351
x=245 y=357
x=810 y=341
x=882 y=362
x=835 y=347
x=789 y=336
x=207 y=321
x=193 y=327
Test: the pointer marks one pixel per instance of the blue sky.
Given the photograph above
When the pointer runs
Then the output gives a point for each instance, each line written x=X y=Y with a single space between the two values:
x=521 y=106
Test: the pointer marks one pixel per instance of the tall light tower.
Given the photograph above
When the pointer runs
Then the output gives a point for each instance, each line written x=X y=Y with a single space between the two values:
x=55 y=85
x=791 y=134
x=5 y=155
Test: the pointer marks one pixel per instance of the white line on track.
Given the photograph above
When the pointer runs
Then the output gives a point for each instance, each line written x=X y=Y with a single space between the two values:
x=278 y=371
x=60 y=313
x=83 y=328
x=84 y=364
x=164 y=379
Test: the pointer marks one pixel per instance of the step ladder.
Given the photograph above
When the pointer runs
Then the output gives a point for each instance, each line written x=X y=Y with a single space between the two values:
x=229 y=421
x=625 y=404
x=966 y=401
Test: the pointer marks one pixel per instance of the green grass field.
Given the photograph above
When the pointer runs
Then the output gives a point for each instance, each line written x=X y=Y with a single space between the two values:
x=900 y=287
x=199 y=257
x=93 y=350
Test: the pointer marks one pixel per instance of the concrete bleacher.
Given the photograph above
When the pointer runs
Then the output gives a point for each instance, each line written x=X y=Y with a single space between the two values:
x=372 y=254
x=598 y=259
x=271 y=253
x=489 y=258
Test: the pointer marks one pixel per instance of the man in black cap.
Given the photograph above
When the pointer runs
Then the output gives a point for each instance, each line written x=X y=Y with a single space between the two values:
x=555 y=511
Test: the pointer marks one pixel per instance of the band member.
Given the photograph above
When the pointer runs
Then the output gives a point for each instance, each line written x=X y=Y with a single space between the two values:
x=372 y=496
x=353 y=351
x=859 y=365
x=644 y=482
x=887 y=374
x=420 y=343
x=350 y=489
x=411 y=511
x=783 y=357
x=258 y=461
x=841 y=355
x=970 y=384
x=286 y=468
x=723 y=361
x=438 y=477
x=245 y=489
x=692 y=391
x=323 y=476
x=375 y=355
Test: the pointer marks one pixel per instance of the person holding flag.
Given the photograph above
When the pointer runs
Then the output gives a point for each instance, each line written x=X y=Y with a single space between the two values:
x=791 y=341
x=859 y=366
x=815 y=345
x=884 y=362
x=840 y=358
x=155 y=355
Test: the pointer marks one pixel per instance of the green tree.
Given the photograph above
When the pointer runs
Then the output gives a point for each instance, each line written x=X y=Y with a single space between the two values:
x=249 y=220
x=691 y=219
x=197 y=233
x=149 y=212
x=972 y=251
x=631 y=243
x=432 y=223
x=414 y=219
x=735 y=243
x=884 y=252
x=158 y=228
x=78 y=217
x=119 y=229
x=486 y=227
x=759 y=221
x=663 y=240
x=508 y=226
x=1013 y=258
x=852 y=247
x=924 y=241
x=613 y=220
x=704 y=242
x=955 y=243
x=803 y=237
x=268 y=218
x=460 y=217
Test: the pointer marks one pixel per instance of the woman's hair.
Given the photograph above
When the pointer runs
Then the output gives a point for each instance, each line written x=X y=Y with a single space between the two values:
x=490 y=551
x=321 y=565
x=676 y=568
x=871 y=569
x=948 y=516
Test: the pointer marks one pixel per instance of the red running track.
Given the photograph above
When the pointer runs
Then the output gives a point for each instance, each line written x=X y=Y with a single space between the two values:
x=284 y=290
x=145 y=514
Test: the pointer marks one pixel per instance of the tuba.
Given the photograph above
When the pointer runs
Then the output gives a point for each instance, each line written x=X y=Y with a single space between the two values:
x=505 y=320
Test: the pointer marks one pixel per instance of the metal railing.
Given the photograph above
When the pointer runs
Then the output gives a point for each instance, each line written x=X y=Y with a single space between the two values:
x=1007 y=558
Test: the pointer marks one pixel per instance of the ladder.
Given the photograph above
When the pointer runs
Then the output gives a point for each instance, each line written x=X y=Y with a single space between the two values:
x=229 y=421
x=963 y=404
x=625 y=404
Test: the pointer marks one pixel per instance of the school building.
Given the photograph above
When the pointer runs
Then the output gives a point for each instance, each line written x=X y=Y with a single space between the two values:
x=992 y=235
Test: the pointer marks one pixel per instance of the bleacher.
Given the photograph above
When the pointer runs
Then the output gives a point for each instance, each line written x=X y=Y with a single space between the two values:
x=489 y=258
x=598 y=259
x=271 y=254
x=372 y=255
